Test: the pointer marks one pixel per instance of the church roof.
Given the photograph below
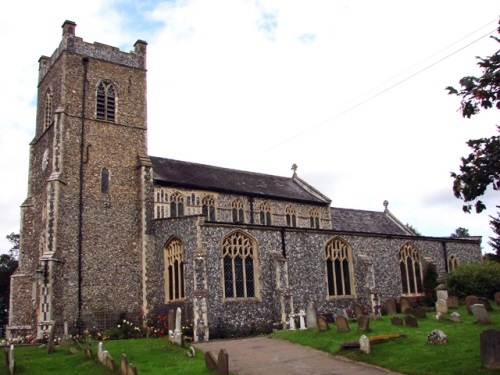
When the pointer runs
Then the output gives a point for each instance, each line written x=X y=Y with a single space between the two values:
x=350 y=220
x=171 y=172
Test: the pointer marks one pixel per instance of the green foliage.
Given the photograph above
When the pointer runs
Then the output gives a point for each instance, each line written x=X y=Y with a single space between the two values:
x=477 y=279
x=8 y=264
x=495 y=242
x=413 y=229
x=460 y=232
x=430 y=284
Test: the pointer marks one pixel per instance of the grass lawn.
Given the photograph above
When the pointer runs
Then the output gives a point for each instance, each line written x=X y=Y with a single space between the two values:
x=411 y=354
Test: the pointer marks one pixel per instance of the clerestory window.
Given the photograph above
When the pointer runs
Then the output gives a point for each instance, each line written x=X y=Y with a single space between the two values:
x=291 y=216
x=208 y=208
x=176 y=205
x=265 y=214
x=238 y=212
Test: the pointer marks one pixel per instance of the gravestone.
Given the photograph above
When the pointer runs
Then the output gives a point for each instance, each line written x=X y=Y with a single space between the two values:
x=497 y=298
x=100 y=349
x=358 y=310
x=292 y=322
x=342 y=324
x=51 y=340
x=302 y=313
x=441 y=306
x=191 y=352
x=437 y=337
x=109 y=361
x=396 y=321
x=452 y=302
x=12 y=365
x=364 y=323
x=311 y=315
x=6 y=356
x=411 y=321
x=223 y=363
x=420 y=312
x=438 y=316
x=322 y=323
x=485 y=302
x=177 y=332
x=409 y=311
x=442 y=292
x=455 y=317
x=469 y=301
x=171 y=320
x=66 y=339
x=481 y=314
x=405 y=303
x=123 y=364
x=390 y=307
x=210 y=360
x=490 y=349
x=364 y=344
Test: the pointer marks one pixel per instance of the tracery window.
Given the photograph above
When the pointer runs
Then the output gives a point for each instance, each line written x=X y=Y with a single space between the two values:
x=452 y=262
x=339 y=269
x=105 y=105
x=104 y=181
x=208 y=208
x=238 y=212
x=173 y=254
x=47 y=119
x=291 y=217
x=265 y=213
x=410 y=263
x=176 y=205
x=239 y=260
x=314 y=218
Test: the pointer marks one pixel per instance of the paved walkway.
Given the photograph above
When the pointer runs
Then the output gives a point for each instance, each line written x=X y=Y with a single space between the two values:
x=263 y=355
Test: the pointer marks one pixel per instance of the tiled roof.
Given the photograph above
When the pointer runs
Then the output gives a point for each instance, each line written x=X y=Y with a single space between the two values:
x=349 y=220
x=206 y=177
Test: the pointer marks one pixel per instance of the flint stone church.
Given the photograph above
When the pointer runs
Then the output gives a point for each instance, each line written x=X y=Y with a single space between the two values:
x=107 y=227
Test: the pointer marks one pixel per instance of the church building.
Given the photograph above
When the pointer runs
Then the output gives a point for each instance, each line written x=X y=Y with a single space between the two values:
x=107 y=228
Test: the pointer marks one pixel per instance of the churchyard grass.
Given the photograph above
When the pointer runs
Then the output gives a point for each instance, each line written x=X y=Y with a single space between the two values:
x=411 y=354
x=150 y=356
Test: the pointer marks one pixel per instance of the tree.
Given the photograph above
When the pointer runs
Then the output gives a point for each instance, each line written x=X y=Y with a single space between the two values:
x=495 y=242
x=481 y=168
x=8 y=264
x=460 y=232
x=413 y=229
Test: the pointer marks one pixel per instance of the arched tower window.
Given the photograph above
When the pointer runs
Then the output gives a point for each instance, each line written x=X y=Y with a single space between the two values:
x=339 y=269
x=176 y=205
x=173 y=254
x=47 y=119
x=104 y=181
x=106 y=101
x=452 y=262
x=265 y=213
x=410 y=263
x=238 y=212
x=208 y=208
x=239 y=260
x=291 y=217
x=314 y=218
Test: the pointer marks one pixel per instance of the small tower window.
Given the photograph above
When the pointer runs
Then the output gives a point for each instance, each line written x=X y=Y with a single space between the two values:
x=105 y=108
x=47 y=120
x=105 y=181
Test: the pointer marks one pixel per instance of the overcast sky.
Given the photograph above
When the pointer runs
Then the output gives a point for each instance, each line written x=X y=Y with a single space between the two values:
x=353 y=92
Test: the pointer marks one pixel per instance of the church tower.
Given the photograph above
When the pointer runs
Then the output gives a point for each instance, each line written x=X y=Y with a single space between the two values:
x=83 y=224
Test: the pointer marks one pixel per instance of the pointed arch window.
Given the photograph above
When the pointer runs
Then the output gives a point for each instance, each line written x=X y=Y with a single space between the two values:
x=173 y=254
x=452 y=262
x=238 y=212
x=239 y=262
x=104 y=181
x=47 y=119
x=410 y=263
x=176 y=205
x=339 y=268
x=265 y=214
x=208 y=208
x=106 y=101
x=314 y=218
x=291 y=217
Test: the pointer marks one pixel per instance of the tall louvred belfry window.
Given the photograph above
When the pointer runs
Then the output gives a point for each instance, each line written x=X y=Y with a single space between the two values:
x=47 y=119
x=106 y=101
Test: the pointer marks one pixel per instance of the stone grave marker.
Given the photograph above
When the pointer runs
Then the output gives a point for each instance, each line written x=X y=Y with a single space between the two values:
x=6 y=356
x=291 y=322
x=453 y=302
x=438 y=316
x=442 y=292
x=302 y=313
x=223 y=363
x=490 y=349
x=210 y=360
x=12 y=365
x=123 y=364
x=437 y=337
x=171 y=320
x=411 y=321
x=364 y=323
x=342 y=324
x=485 y=302
x=481 y=314
x=396 y=321
x=441 y=306
x=497 y=298
x=405 y=303
x=420 y=312
x=66 y=339
x=364 y=344
x=469 y=301
x=358 y=310
x=455 y=317
x=52 y=336
x=322 y=323
x=100 y=349
x=311 y=315
x=409 y=311
x=390 y=306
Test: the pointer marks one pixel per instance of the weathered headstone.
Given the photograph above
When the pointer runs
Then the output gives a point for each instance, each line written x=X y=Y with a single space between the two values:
x=481 y=314
x=441 y=306
x=66 y=339
x=100 y=349
x=390 y=307
x=131 y=369
x=342 y=324
x=497 y=298
x=420 y=312
x=12 y=365
x=364 y=323
x=311 y=315
x=110 y=362
x=490 y=349
x=396 y=321
x=438 y=316
x=364 y=344
x=453 y=302
x=455 y=317
x=51 y=340
x=322 y=323
x=469 y=301
x=409 y=311
x=171 y=320
x=123 y=364
x=302 y=313
x=6 y=356
x=442 y=292
x=485 y=302
x=411 y=321
x=223 y=363
x=405 y=303
x=437 y=337
x=358 y=310
x=210 y=360
x=291 y=322
x=88 y=351
x=178 y=327
x=191 y=352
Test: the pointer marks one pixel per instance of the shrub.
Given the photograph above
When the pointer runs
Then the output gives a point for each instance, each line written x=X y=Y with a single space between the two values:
x=477 y=279
x=430 y=284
